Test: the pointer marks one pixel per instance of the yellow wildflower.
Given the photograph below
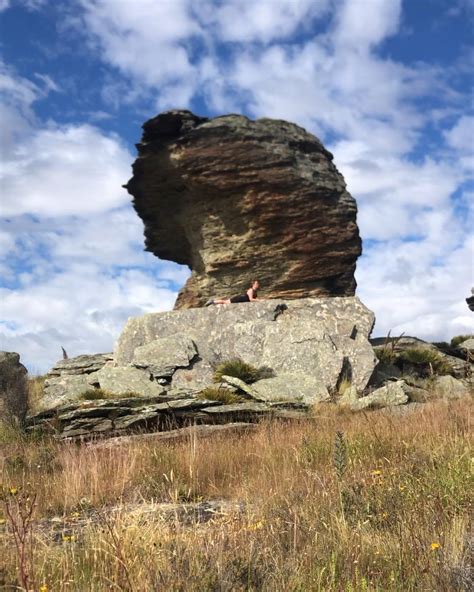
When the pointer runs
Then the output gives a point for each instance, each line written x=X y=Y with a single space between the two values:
x=435 y=546
x=43 y=588
x=376 y=473
x=13 y=490
x=257 y=526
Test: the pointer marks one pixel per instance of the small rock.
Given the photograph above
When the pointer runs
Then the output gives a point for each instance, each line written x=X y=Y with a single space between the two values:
x=391 y=394
x=449 y=387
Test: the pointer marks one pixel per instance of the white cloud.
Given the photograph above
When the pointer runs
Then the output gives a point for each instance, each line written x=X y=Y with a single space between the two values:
x=264 y=21
x=144 y=39
x=72 y=259
x=362 y=23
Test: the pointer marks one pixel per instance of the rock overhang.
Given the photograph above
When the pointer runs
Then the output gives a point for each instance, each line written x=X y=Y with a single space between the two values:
x=236 y=199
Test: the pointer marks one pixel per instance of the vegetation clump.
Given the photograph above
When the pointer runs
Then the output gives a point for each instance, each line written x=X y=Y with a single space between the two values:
x=426 y=358
x=240 y=369
x=97 y=394
x=455 y=341
x=226 y=396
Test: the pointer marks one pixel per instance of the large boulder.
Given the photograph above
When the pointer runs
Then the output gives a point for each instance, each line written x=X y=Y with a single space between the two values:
x=13 y=388
x=236 y=199
x=325 y=339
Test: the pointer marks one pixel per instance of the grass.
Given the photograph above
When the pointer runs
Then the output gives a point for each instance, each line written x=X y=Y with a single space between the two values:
x=98 y=394
x=419 y=356
x=35 y=391
x=226 y=396
x=459 y=339
x=344 y=502
x=240 y=369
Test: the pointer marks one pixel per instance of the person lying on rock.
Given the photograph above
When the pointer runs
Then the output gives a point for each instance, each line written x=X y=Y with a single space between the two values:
x=249 y=296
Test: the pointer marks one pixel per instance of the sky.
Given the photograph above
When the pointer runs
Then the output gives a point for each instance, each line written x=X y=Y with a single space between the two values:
x=385 y=84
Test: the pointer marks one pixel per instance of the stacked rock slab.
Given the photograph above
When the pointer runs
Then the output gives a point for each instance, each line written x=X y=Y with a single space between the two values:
x=236 y=199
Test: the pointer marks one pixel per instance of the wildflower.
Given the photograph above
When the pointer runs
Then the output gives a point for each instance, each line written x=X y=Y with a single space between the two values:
x=435 y=546
x=257 y=526
x=13 y=490
x=402 y=487
x=68 y=538
x=43 y=588
x=376 y=473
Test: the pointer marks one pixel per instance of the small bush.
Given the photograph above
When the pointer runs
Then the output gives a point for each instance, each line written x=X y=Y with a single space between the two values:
x=239 y=369
x=455 y=341
x=223 y=395
x=419 y=356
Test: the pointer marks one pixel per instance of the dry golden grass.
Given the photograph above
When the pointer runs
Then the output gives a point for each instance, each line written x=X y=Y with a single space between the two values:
x=395 y=517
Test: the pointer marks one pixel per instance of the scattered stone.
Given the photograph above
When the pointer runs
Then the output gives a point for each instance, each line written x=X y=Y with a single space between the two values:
x=13 y=388
x=236 y=189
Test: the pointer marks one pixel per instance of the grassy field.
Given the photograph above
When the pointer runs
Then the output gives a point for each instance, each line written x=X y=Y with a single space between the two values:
x=345 y=502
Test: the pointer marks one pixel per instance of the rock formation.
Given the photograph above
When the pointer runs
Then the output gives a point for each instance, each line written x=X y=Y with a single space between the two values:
x=13 y=388
x=236 y=199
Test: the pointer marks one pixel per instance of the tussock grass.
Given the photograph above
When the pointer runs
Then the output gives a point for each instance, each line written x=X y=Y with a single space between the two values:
x=382 y=506
x=237 y=368
x=226 y=396
x=459 y=339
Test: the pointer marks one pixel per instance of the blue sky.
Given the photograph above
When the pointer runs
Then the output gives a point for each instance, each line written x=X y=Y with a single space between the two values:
x=385 y=84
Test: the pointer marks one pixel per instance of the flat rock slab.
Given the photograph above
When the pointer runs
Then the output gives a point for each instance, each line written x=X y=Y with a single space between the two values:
x=84 y=364
x=198 y=431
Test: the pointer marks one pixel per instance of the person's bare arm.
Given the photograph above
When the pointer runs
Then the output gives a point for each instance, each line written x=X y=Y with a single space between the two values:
x=250 y=295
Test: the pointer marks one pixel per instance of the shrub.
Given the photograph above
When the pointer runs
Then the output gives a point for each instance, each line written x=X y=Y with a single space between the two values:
x=419 y=356
x=212 y=393
x=239 y=369
x=455 y=341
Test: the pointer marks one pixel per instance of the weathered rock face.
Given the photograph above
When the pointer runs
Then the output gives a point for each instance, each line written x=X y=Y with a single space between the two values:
x=13 y=388
x=315 y=341
x=236 y=199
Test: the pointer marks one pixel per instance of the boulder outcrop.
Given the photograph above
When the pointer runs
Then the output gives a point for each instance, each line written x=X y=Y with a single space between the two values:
x=312 y=345
x=13 y=388
x=236 y=199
